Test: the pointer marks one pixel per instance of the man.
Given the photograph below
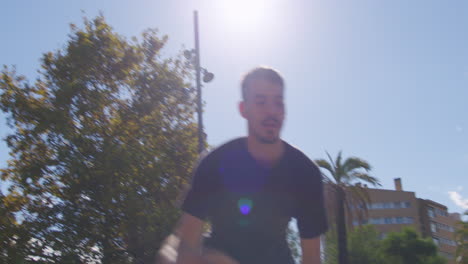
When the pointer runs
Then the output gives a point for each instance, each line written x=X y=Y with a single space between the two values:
x=249 y=188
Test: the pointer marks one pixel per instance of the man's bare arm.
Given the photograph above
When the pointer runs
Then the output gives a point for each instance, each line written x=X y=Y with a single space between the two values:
x=189 y=231
x=185 y=246
x=311 y=250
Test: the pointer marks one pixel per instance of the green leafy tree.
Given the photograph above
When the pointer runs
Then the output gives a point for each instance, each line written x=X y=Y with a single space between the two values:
x=330 y=246
x=407 y=247
x=102 y=144
x=12 y=236
x=461 y=236
x=341 y=178
x=364 y=245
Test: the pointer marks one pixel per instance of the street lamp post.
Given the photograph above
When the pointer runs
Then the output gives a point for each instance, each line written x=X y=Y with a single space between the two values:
x=199 y=91
x=194 y=56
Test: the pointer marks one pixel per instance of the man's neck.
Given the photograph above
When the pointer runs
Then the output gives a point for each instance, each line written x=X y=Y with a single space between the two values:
x=267 y=154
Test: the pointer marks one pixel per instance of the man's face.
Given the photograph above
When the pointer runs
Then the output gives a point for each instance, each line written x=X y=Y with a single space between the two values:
x=264 y=110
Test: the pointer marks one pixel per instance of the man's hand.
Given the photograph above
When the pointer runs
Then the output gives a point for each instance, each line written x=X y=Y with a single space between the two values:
x=169 y=254
x=185 y=246
x=169 y=250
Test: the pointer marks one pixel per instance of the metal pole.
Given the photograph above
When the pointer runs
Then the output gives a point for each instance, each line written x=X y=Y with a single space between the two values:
x=199 y=92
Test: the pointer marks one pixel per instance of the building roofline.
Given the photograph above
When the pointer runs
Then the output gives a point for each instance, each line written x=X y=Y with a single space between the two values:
x=434 y=203
x=389 y=190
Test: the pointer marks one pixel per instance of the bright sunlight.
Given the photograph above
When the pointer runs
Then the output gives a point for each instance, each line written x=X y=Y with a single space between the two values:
x=245 y=15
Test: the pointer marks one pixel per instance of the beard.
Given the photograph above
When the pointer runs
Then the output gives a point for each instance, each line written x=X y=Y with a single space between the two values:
x=266 y=139
x=264 y=135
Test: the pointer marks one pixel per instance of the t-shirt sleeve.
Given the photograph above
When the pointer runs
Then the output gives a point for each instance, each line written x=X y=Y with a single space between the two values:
x=199 y=198
x=311 y=215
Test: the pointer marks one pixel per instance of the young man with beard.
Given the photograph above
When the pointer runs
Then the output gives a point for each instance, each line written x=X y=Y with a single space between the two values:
x=250 y=187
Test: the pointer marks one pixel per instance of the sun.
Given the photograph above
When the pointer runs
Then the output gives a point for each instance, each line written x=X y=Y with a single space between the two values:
x=244 y=15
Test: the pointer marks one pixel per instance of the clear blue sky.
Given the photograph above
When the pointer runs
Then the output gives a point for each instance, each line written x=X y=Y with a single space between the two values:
x=386 y=81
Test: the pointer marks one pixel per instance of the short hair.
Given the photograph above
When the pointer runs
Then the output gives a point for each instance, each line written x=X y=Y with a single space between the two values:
x=260 y=73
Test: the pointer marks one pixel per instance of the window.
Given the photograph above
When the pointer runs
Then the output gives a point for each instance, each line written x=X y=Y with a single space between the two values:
x=390 y=220
x=437 y=211
x=389 y=205
x=439 y=240
x=377 y=221
x=447 y=241
x=443 y=227
x=430 y=212
x=442 y=212
x=433 y=227
x=446 y=255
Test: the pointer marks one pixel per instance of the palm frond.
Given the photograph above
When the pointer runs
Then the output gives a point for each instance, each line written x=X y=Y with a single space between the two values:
x=337 y=175
x=353 y=163
x=326 y=165
x=360 y=194
x=339 y=168
x=327 y=180
x=366 y=178
x=338 y=161
x=357 y=200
x=332 y=163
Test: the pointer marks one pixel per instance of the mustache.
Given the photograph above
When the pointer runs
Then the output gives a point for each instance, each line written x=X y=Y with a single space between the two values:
x=270 y=120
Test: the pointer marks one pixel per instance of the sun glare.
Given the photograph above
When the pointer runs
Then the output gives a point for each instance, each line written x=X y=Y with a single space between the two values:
x=244 y=15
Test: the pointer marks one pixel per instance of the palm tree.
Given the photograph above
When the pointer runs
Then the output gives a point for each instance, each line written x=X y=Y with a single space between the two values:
x=342 y=178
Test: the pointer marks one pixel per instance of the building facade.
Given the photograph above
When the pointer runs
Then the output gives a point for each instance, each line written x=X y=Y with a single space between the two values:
x=440 y=225
x=392 y=210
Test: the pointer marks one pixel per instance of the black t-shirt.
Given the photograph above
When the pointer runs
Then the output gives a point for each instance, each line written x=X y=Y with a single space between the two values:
x=250 y=206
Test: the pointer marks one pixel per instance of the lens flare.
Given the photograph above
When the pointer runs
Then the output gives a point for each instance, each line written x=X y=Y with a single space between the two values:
x=245 y=205
x=245 y=209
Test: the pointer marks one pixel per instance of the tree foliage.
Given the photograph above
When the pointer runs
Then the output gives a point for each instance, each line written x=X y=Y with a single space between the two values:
x=103 y=142
x=341 y=178
x=366 y=247
x=363 y=245
x=407 y=247
x=330 y=246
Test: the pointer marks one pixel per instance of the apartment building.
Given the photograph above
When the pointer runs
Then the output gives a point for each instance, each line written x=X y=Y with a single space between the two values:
x=392 y=210
x=440 y=225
